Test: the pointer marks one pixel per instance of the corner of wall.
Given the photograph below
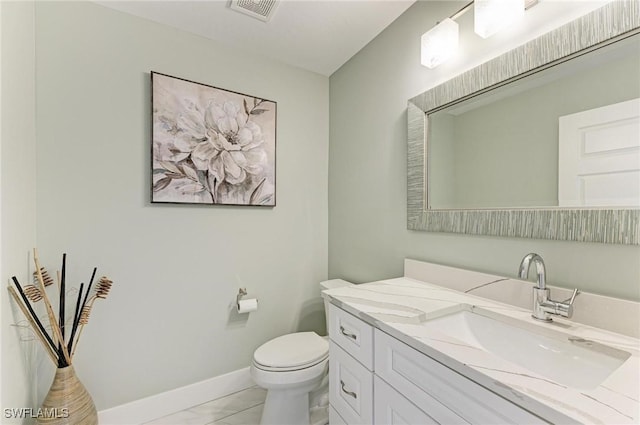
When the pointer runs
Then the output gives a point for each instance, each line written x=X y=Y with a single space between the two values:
x=17 y=191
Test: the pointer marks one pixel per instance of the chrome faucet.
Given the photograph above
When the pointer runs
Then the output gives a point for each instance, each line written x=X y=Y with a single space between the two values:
x=543 y=305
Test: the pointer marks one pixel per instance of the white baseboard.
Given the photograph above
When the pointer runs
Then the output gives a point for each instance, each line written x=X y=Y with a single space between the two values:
x=156 y=406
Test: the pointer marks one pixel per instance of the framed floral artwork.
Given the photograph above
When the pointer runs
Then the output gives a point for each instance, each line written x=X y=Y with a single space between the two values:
x=211 y=146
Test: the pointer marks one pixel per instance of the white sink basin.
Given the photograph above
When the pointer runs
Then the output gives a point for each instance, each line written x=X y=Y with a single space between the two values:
x=567 y=360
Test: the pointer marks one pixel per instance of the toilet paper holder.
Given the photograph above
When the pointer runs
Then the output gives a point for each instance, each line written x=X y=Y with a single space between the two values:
x=246 y=305
x=241 y=293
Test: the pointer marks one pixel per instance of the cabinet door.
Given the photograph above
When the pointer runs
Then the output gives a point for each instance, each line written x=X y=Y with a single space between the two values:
x=334 y=417
x=391 y=408
x=350 y=387
x=409 y=372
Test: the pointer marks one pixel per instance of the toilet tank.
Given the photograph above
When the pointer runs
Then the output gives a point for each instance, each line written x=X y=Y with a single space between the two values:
x=331 y=284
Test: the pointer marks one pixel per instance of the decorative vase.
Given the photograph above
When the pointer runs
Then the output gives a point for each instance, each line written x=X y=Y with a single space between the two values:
x=68 y=402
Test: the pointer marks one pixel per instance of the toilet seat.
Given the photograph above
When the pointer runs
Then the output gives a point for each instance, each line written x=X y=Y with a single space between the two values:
x=293 y=378
x=291 y=352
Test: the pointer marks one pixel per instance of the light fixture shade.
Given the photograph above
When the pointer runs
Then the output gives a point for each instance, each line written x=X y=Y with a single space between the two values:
x=490 y=16
x=439 y=43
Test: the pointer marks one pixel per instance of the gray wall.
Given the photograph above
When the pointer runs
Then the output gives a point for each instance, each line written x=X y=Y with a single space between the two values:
x=18 y=196
x=368 y=239
x=168 y=321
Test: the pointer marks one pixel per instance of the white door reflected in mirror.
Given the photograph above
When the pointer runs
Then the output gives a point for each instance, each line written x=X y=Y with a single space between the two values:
x=599 y=156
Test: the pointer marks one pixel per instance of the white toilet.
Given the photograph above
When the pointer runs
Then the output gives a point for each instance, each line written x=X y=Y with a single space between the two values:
x=292 y=367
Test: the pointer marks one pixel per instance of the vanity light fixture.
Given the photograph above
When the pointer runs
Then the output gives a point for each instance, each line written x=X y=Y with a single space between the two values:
x=490 y=16
x=441 y=42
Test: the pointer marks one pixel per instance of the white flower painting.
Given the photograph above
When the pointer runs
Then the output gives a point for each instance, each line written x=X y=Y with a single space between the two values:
x=211 y=146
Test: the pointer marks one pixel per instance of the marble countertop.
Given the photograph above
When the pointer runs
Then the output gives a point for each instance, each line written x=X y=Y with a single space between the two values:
x=400 y=307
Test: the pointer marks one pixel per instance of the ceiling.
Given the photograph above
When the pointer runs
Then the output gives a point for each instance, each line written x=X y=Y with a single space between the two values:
x=316 y=35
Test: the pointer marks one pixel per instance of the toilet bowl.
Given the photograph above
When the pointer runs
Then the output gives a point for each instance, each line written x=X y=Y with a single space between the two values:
x=293 y=368
x=290 y=367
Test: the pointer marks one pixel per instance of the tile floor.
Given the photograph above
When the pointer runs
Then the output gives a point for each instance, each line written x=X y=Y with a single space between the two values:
x=241 y=408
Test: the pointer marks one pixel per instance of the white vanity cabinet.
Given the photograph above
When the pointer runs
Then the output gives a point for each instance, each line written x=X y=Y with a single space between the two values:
x=377 y=379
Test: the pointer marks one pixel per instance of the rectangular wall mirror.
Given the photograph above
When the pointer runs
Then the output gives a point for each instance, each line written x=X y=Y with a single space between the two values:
x=541 y=142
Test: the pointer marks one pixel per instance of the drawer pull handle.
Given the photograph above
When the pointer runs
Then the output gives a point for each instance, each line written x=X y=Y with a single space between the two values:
x=349 y=393
x=347 y=334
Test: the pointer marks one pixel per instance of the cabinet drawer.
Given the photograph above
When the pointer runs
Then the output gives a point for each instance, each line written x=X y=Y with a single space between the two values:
x=352 y=334
x=391 y=408
x=435 y=388
x=350 y=387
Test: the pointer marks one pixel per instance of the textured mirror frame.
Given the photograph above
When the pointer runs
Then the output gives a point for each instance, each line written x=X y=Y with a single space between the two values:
x=607 y=24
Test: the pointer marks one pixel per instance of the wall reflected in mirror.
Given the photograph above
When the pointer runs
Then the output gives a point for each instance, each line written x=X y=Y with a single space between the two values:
x=568 y=136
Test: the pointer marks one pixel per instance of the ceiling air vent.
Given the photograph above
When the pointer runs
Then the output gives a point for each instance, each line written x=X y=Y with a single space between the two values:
x=259 y=9
x=528 y=4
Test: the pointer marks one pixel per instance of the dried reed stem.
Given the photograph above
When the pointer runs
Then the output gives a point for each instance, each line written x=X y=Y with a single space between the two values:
x=37 y=328
x=63 y=297
x=76 y=317
x=52 y=318
x=83 y=320
x=102 y=290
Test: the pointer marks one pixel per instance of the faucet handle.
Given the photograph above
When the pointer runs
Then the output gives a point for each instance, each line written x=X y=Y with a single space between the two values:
x=570 y=300
x=564 y=308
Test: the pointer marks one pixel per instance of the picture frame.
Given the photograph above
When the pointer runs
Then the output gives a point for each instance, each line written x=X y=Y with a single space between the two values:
x=210 y=145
